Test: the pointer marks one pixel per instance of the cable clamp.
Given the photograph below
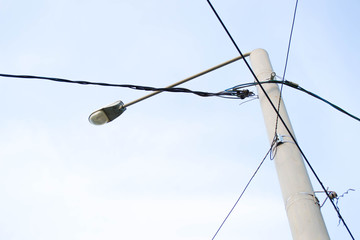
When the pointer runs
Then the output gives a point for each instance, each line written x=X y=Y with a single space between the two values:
x=278 y=140
x=242 y=94
x=332 y=195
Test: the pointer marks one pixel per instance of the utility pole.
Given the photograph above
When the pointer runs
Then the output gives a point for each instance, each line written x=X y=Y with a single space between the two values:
x=302 y=207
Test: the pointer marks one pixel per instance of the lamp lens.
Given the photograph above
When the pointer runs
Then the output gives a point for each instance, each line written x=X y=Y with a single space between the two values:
x=98 y=118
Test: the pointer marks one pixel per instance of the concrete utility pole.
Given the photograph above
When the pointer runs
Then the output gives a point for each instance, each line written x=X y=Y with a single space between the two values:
x=302 y=207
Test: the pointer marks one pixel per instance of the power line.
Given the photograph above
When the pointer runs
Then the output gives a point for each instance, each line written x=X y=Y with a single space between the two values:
x=286 y=63
x=231 y=93
x=279 y=116
x=297 y=87
x=235 y=94
x=290 y=38
x=242 y=193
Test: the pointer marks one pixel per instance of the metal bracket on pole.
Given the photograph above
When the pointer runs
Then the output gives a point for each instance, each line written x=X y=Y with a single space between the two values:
x=278 y=140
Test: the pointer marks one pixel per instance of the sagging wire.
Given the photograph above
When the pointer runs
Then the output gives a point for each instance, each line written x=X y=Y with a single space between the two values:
x=230 y=93
x=234 y=94
x=297 y=87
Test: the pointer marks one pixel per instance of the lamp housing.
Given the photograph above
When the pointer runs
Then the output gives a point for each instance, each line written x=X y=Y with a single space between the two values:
x=107 y=113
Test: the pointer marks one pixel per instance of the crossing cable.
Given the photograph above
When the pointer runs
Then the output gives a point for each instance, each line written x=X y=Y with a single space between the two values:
x=285 y=67
x=242 y=193
x=278 y=114
x=236 y=94
x=231 y=93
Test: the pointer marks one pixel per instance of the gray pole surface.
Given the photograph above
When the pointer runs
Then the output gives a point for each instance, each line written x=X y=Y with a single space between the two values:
x=302 y=207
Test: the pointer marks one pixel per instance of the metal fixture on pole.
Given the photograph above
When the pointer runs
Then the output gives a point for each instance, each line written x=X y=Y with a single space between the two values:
x=301 y=204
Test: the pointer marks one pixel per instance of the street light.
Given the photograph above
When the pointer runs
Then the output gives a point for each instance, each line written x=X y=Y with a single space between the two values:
x=107 y=113
x=112 y=111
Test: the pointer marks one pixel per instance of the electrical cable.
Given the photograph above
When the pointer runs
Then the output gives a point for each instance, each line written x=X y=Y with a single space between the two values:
x=230 y=93
x=235 y=94
x=326 y=101
x=297 y=87
x=281 y=119
x=286 y=63
x=242 y=193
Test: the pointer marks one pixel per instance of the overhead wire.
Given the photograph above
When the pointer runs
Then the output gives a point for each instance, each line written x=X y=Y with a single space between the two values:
x=278 y=114
x=241 y=195
x=230 y=93
x=286 y=63
x=297 y=87
x=236 y=94
x=326 y=101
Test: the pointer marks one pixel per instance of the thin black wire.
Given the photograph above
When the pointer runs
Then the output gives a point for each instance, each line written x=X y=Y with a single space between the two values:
x=286 y=63
x=297 y=87
x=228 y=94
x=242 y=193
x=278 y=114
x=326 y=101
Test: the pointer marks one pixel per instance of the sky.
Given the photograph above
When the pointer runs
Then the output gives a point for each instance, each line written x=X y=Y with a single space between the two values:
x=172 y=166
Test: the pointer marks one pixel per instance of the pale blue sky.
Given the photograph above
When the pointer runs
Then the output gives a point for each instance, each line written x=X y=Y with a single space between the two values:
x=170 y=167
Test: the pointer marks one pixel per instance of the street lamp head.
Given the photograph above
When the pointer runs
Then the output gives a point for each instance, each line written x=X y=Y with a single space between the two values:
x=107 y=113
